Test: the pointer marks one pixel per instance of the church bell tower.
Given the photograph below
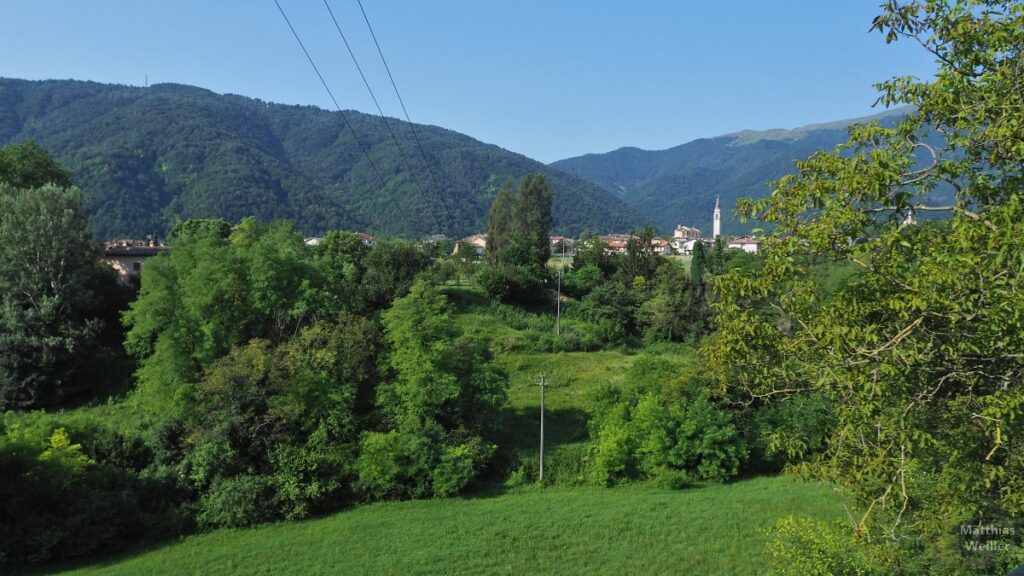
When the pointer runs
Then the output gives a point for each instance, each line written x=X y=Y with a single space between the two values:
x=717 y=226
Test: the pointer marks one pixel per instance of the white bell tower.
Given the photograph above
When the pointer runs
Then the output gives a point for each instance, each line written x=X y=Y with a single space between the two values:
x=717 y=225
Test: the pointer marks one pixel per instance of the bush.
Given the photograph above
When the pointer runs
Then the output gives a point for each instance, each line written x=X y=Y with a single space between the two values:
x=58 y=503
x=581 y=281
x=651 y=429
x=804 y=547
x=237 y=501
x=510 y=283
x=790 y=430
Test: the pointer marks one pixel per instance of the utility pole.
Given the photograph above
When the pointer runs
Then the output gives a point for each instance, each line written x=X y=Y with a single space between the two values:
x=558 y=295
x=542 y=381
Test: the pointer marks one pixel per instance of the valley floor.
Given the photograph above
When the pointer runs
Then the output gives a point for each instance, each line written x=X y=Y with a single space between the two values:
x=635 y=529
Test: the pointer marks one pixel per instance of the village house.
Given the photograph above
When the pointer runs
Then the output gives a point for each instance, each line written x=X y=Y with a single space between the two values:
x=126 y=257
x=748 y=244
x=476 y=242
x=662 y=247
x=686 y=248
x=684 y=233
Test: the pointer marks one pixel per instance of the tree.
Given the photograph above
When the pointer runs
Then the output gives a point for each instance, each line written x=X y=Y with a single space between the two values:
x=29 y=165
x=519 y=224
x=212 y=293
x=920 y=354
x=50 y=281
x=442 y=397
x=500 y=222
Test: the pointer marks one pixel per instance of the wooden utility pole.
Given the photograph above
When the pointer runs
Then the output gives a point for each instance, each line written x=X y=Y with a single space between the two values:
x=542 y=381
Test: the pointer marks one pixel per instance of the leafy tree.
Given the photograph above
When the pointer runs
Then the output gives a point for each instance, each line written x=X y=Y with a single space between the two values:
x=212 y=293
x=653 y=428
x=391 y=267
x=50 y=281
x=591 y=251
x=920 y=353
x=667 y=315
x=29 y=165
x=272 y=432
x=640 y=260
x=519 y=224
x=442 y=399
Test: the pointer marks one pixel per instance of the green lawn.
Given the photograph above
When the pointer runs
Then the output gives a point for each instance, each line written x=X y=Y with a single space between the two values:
x=625 y=530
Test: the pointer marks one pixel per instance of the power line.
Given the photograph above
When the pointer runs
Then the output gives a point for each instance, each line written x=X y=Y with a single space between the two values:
x=373 y=96
x=415 y=134
x=340 y=111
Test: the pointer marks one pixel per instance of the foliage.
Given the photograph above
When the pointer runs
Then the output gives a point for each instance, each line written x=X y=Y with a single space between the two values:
x=518 y=227
x=804 y=547
x=29 y=165
x=51 y=306
x=272 y=432
x=391 y=268
x=920 y=353
x=442 y=399
x=652 y=428
x=791 y=430
x=56 y=502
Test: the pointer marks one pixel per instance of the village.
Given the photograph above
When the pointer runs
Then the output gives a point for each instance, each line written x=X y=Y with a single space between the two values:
x=127 y=256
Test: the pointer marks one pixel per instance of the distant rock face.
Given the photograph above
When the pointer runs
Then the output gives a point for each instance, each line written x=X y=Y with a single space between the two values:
x=147 y=157
x=678 y=186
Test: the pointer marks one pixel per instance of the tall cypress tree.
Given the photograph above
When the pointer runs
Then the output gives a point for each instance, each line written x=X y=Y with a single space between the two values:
x=500 y=220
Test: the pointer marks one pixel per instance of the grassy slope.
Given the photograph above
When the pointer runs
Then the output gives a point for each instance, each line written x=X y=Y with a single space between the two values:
x=626 y=530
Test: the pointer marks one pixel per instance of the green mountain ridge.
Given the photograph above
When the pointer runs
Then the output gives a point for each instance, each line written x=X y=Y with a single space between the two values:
x=146 y=157
x=679 y=185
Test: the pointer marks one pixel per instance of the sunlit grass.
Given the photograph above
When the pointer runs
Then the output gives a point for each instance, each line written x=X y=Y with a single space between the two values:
x=625 y=530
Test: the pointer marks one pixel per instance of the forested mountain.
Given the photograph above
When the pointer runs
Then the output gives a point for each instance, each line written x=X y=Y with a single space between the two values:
x=146 y=157
x=679 y=185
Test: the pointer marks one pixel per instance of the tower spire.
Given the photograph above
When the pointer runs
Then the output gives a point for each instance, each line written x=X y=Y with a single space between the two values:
x=717 y=221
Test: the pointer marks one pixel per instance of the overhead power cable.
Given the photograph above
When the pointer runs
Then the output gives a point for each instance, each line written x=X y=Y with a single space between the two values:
x=412 y=126
x=344 y=116
x=373 y=96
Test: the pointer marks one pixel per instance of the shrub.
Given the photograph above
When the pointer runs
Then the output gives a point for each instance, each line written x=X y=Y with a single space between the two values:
x=237 y=501
x=511 y=283
x=651 y=429
x=58 y=503
x=804 y=547
x=790 y=430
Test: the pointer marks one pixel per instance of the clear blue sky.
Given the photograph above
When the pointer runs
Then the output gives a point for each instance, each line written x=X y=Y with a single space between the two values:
x=549 y=79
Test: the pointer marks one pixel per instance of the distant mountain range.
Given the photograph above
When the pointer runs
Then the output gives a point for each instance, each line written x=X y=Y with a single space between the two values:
x=146 y=157
x=679 y=185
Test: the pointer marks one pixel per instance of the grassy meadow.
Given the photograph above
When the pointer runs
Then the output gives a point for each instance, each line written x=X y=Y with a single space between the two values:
x=717 y=529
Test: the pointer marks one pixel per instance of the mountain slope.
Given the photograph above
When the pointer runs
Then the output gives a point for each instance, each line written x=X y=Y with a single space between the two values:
x=146 y=157
x=679 y=185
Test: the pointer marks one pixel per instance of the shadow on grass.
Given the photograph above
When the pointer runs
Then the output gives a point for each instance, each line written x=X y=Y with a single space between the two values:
x=520 y=427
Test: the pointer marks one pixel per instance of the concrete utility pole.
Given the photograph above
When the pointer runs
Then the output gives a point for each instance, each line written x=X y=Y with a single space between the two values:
x=558 y=296
x=542 y=381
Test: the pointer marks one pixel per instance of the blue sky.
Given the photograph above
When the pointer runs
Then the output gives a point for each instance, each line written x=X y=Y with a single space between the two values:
x=549 y=79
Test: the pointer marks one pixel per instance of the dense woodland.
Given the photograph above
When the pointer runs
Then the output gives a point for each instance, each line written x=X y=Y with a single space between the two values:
x=275 y=380
x=146 y=158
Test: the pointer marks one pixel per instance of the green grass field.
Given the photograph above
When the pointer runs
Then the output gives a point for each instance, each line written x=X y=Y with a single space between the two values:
x=626 y=530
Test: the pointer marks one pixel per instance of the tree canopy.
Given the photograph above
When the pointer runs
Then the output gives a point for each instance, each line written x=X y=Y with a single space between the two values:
x=921 y=353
